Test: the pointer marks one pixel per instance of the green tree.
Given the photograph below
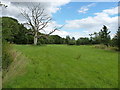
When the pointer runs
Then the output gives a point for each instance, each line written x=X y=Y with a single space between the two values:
x=118 y=35
x=91 y=38
x=57 y=39
x=72 y=41
x=67 y=39
x=83 y=41
x=116 y=39
x=96 y=38
x=10 y=28
x=21 y=37
x=104 y=36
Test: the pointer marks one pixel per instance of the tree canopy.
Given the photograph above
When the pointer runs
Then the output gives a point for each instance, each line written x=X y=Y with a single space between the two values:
x=17 y=33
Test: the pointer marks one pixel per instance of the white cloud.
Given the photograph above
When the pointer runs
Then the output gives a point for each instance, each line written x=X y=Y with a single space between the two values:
x=61 y=33
x=89 y=24
x=51 y=6
x=84 y=9
x=95 y=23
x=53 y=25
x=13 y=8
x=111 y=11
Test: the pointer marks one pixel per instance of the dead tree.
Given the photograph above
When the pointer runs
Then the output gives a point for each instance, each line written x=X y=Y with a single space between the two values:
x=37 y=19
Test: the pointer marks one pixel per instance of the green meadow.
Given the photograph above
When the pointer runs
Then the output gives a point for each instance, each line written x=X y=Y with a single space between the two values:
x=62 y=66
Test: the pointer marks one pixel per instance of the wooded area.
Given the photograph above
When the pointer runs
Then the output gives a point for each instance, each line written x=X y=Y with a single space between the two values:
x=14 y=32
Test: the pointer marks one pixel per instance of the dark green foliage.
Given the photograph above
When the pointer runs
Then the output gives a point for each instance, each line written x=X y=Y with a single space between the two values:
x=118 y=35
x=14 y=32
x=52 y=39
x=67 y=39
x=56 y=39
x=96 y=38
x=104 y=36
x=43 y=40
x=72 y=41
x=10 y=28
x=23 y=37
x=83 y=41
x=6 y=56
x=116 y=40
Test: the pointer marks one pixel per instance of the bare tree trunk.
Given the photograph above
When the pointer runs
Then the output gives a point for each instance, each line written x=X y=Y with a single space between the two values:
x=35 y=38
x=37 y=19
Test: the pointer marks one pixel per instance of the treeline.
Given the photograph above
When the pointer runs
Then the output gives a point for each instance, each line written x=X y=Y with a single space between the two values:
x=14 y=32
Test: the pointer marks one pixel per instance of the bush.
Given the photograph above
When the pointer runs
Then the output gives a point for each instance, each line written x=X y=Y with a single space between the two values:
x=71 y=42
x=83 y=41
x=6 y=55
x=101 y=46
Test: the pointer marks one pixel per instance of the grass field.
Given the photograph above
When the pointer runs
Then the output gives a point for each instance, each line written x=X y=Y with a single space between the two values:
x=62 y=66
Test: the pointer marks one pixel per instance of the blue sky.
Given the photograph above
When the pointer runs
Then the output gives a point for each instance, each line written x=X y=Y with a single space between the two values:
x=69 y=12
x=80 y=18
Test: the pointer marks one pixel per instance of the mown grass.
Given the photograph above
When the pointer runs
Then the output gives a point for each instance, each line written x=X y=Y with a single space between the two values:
x=62 y=66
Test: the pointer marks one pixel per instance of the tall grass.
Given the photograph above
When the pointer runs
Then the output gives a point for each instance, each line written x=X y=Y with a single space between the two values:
x=6 y=55
x=62 y=66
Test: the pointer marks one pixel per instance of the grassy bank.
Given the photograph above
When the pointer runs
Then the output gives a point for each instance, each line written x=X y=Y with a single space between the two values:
x=62 y=66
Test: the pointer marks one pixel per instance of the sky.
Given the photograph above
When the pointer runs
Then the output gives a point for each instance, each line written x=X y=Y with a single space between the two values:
x=79 y=18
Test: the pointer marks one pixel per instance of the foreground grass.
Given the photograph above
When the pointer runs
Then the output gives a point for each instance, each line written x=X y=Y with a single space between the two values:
x=62 y=66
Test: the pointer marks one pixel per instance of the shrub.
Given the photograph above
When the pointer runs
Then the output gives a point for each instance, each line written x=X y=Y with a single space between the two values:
x=101 y=46
x=6 y=55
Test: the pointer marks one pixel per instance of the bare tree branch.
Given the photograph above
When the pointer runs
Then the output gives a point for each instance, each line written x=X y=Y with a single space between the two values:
x=57 y=28
x=37 y=19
